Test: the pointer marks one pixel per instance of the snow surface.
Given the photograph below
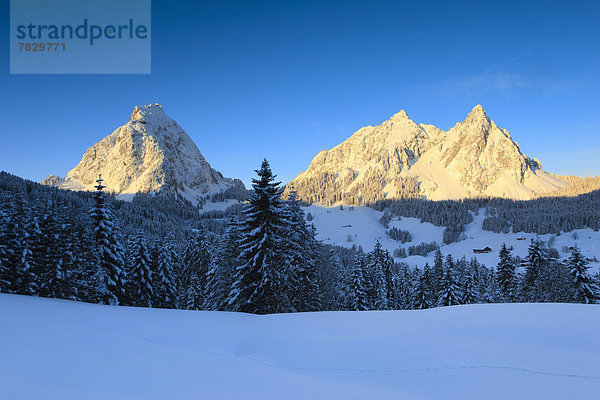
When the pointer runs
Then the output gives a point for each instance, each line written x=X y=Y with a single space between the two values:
x=56 y=349
x=332 y=228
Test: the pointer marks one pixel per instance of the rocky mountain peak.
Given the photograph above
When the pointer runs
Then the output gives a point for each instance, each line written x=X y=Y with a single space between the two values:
x=400 y=159
x=477 y=115
x=153 y=113
x=150 y=153
x=400 y=115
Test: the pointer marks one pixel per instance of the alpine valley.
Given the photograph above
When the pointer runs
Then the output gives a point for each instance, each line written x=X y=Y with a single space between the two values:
x=394 y=169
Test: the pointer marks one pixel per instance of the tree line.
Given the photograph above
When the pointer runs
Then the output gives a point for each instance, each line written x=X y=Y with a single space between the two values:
x=264 y=258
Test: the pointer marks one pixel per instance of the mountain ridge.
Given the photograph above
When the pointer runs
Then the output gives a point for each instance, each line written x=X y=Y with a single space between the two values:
x=402 y=159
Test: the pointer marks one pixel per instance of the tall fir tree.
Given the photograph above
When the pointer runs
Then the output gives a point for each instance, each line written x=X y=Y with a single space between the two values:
x=586 y=290
x=379 y=284
x=333 y=281
x=26 y=231
x=449 y=294
x=110 y=275
x=141 y=278
x=506 y=274
x=421 y=299
x=470 y=293
x=196 y=262
x=54 y=253
x=535 y=262
x=357 y=295
x=165 y=286
x=261 y=283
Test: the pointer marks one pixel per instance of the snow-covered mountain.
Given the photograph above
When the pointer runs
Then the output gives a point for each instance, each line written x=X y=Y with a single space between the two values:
x=150 y=153
x=401 y=158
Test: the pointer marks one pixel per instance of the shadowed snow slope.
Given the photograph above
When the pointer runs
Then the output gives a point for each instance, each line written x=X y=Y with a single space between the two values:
x=54 y=349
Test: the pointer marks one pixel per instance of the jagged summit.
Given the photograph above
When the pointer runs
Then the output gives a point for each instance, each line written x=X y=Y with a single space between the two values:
x=477 y=113
x=400 y=159
x=400 y=115
x=150 y=153
x=152 y=113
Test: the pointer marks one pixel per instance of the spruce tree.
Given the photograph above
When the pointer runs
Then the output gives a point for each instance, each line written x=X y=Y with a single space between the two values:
x=535 y=262
x=506 y=273
x=357 y=295
x=470 y=291
x=110 y=276
x=377 y=263
x=428 y=285
x=54 y=253
x=261 y=283
x=165 y=289
x=333 y=281
x=141 y=278
x=421 y=299
x=196 y=262
x=26 y=230
x=586 y=290
x=449 y=292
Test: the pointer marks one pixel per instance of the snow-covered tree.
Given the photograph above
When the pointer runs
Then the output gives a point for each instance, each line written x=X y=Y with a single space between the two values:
x=25 y=231
x=357 y=294
x=379 y=284
x=261 y=283
x=222 y=268
x=300 y=248
x=421 y=296
x=109 y=276
x=506 y=273
x=449 y=294
x=141 y=278
x=196 y=261
x=165 y=285
x=586 y=290
x=535 y=262
x=332 y=281
x=470 y=293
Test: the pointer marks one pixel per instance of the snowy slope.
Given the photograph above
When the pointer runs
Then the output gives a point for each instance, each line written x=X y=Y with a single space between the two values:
x=54 y=349
x=332 y=228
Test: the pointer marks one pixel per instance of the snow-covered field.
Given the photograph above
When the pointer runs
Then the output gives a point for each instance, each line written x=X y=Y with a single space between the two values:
x=332 y=228
x=55 y=349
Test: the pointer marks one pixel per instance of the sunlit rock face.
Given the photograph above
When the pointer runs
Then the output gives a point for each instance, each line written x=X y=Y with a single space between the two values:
x=403 y=159
x=150 y=153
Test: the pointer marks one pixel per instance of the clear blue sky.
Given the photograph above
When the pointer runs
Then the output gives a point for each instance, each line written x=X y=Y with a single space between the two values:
x=284 y=80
